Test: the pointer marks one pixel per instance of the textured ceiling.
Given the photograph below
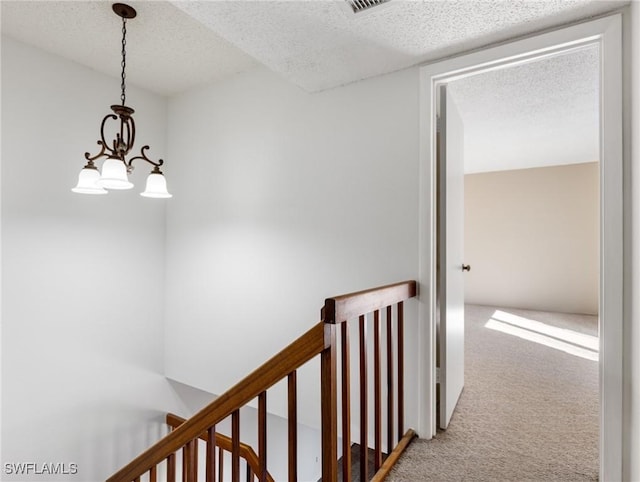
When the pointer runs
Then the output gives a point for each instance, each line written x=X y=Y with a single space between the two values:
x=167 y=51
x=544 y=112
x=538 y=114
x=316 y=44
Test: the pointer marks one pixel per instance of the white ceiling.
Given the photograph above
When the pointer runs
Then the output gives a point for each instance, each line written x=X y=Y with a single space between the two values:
x=538 y=114
x=167 y=51
x=318 y=44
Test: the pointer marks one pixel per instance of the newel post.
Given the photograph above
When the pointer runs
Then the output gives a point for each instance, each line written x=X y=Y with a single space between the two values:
x=329 y=405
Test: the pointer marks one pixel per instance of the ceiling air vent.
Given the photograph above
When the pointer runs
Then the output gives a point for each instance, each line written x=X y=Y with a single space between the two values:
x=359 y=6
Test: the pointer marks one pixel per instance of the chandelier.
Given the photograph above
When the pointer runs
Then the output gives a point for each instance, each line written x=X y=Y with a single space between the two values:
x=116 y=167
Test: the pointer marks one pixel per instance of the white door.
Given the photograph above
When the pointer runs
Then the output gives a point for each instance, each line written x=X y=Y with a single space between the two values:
x=450 y=256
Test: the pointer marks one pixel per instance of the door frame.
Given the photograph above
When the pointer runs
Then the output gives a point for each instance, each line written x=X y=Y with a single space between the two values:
x=606 y=33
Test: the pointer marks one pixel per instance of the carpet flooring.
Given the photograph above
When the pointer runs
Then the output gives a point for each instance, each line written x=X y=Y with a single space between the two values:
x=528 y=412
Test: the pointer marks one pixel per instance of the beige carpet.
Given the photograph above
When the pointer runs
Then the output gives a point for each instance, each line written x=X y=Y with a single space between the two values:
x=528 y=412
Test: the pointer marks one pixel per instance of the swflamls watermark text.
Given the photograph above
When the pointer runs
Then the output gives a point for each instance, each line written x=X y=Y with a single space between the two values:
x=37 y=468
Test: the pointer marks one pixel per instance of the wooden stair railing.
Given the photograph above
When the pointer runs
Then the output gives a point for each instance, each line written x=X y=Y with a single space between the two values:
x=224 y=443
x=319 y=340
x=282 y=365
x=356 y=306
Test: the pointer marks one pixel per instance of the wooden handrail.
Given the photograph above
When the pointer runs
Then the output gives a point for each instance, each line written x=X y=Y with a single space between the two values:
x=223 y=441
x=309 y=345
x=342 y=308
x=319 y=340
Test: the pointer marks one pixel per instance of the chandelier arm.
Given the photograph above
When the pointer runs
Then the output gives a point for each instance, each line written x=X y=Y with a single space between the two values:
x=100 y=154
x=131 y=133
x=127 y=143
x=143 y=156
x=104 y=121
x=122 y=142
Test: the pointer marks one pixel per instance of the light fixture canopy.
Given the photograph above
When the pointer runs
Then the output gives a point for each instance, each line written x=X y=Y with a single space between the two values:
x=116 y=167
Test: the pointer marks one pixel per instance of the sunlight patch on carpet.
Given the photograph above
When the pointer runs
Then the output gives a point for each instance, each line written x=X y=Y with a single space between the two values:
x=568 y=341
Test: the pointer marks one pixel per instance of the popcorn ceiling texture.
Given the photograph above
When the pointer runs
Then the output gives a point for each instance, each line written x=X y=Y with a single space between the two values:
x=538 y=114
x=543 y=113
x=316 y=44
x=167 y=51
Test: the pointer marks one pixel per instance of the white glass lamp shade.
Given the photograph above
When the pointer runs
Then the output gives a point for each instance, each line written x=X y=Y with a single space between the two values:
x=88 y=182
x=156 y=186
x=114 y=175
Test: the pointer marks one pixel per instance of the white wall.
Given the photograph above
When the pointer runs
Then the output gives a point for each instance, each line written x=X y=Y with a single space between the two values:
x=531 y=238
x=632 y=265
x=283 y=198
x=82 y=276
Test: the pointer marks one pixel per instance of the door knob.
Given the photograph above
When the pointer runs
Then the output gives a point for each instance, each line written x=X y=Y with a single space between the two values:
x=466 y=267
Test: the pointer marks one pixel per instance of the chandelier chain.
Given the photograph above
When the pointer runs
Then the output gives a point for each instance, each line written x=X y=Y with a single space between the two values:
x=124 y=60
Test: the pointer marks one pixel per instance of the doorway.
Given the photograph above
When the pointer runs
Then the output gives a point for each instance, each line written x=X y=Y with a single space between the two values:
x=605 y=35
